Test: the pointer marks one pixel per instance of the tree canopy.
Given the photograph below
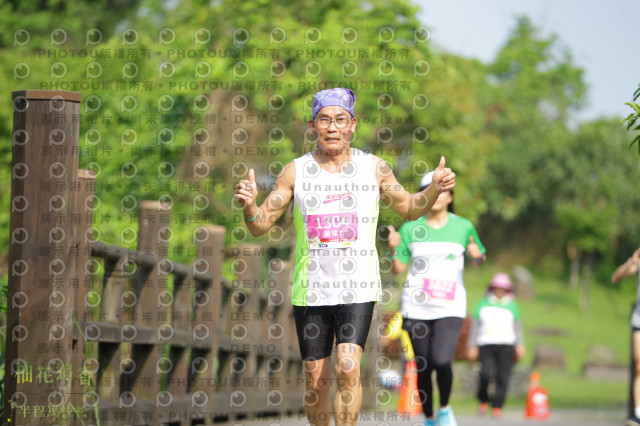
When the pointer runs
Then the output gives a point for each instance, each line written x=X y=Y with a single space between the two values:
x=181 y=98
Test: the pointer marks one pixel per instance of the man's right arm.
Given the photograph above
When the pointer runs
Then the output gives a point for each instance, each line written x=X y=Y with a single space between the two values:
x=260 y=219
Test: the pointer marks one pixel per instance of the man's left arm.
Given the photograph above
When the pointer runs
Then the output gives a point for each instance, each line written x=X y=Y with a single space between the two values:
x=406 y=205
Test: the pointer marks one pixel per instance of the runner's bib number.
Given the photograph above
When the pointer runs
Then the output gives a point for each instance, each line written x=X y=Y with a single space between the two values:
x=439 y=289
x=332 y=230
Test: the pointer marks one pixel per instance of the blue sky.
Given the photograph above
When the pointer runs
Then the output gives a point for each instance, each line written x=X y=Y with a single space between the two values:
x=601 y=35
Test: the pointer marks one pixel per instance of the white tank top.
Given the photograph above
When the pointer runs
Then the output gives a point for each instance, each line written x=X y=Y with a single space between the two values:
x=336 y=216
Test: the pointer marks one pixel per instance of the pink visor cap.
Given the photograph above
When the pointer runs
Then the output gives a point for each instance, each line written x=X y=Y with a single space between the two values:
x=501 y=280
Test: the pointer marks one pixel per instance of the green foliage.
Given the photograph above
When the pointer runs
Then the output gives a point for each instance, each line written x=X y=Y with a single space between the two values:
x=533 y=87
x=4 y=291
x=139 y=137
x=594 y=204
x=500 y=125
x=61 y=20
x=632 y=118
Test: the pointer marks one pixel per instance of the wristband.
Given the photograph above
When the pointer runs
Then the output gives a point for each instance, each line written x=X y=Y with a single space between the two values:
x=247 y=219
x=388 y=254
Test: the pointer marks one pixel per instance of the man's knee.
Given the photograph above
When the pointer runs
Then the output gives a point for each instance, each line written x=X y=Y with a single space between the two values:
x=319 y=385
x=347 y=369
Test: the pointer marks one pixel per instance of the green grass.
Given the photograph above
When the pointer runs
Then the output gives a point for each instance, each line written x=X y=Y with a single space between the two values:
x=570 y=391
x=565 y=391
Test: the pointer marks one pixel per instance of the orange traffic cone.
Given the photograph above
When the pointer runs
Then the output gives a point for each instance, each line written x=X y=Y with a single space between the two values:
x=537 y=405
x=409 y=400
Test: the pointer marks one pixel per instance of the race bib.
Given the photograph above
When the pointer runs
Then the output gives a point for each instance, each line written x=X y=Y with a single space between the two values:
x=439 y=289
x=332 y=230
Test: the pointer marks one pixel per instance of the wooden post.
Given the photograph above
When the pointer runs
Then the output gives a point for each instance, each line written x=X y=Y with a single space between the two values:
x=151 y=312
x=281 y=334
x=83 y=219
x=202 y=372
x=40 y=300
x=117 y=269
x=246 y=330
x=179 y=356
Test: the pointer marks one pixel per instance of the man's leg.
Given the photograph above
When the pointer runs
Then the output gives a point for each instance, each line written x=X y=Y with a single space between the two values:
x=317 y=402
x=315 y=329
x=352 y=328
x=348 y=397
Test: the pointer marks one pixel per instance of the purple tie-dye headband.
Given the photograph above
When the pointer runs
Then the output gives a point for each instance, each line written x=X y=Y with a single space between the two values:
x=334 y=97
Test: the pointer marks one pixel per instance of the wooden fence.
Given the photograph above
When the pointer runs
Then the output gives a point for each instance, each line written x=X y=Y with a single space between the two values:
x=98 y=333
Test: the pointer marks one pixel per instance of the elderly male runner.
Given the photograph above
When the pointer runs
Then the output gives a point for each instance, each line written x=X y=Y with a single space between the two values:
x=335 y=189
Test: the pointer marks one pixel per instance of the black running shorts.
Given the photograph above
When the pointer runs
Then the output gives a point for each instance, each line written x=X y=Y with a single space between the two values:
x=318 y=325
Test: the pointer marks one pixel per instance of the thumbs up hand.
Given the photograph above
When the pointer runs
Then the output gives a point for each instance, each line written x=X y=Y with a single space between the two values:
x=247 y=190
x=443 y=178
x=473 y=250
x=394 y=237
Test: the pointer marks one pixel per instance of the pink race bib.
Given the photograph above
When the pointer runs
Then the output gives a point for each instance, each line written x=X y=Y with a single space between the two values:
x=332 y=230
x=439 y=289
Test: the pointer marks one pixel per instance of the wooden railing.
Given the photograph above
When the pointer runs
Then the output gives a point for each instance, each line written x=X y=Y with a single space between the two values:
x=198 y=349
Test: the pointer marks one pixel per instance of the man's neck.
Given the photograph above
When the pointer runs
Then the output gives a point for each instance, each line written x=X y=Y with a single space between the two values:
x=333 y=161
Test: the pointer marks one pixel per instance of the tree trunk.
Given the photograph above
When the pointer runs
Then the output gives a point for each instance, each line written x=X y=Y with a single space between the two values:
x=585 y=283
x=574 y=273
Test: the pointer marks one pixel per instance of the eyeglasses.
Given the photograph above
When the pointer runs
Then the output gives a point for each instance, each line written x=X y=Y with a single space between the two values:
x=324 y=122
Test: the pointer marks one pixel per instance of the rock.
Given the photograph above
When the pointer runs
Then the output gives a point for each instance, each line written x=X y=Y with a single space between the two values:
x=597 y=371
x=602 y=364
x=523 y=283
x=601 y=354
x=549 y=356
x=549 y=331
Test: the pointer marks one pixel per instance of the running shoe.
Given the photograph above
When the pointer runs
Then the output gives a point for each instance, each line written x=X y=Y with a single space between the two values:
x=430 y=422
x=633 y=421
x=496 y=412
x=482 y=408
x=446 y=417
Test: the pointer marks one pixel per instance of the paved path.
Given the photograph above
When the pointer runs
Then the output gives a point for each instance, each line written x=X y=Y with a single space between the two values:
x=558 y=418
